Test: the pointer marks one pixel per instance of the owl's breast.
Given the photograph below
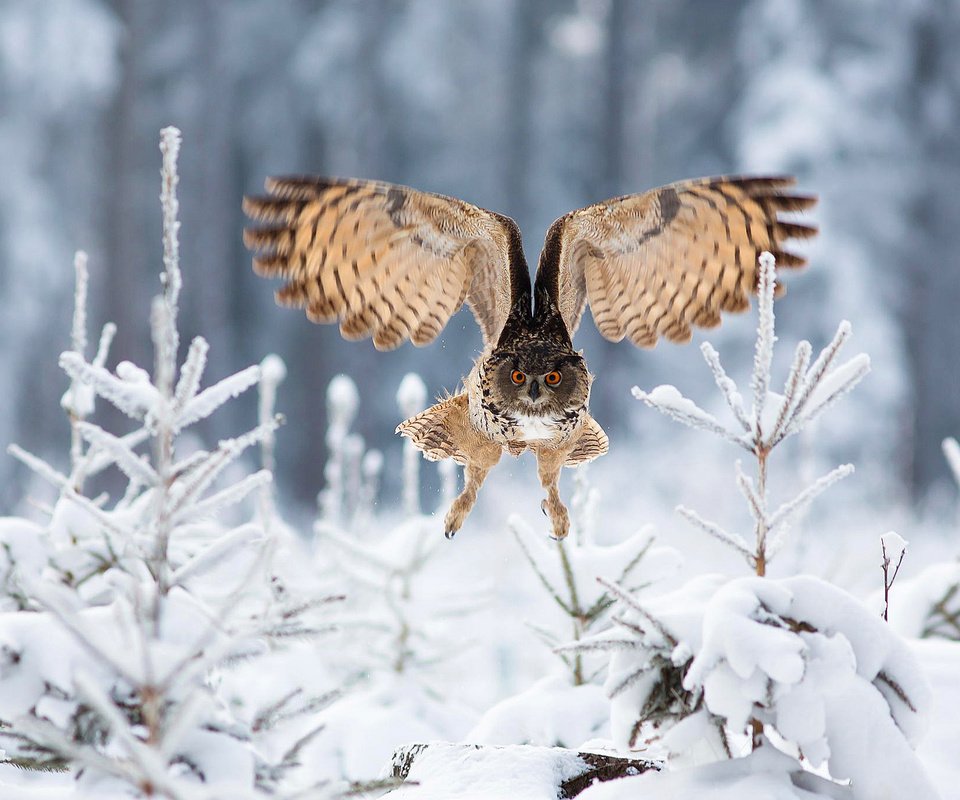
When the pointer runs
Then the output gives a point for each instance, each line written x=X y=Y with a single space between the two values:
x=535 y=429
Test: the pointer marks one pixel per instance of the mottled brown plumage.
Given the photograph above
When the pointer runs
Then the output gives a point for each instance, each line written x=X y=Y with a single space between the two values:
x=394 y=264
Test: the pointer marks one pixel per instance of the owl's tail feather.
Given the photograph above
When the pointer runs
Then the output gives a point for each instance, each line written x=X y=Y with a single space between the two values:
x=592 y=444
x=439 y=431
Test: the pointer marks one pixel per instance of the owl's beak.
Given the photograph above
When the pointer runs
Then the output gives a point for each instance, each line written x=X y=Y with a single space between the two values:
x=534 y=390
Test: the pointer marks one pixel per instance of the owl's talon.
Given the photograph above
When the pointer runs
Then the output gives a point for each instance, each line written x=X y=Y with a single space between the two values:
x=543 y=508
x=449 y=534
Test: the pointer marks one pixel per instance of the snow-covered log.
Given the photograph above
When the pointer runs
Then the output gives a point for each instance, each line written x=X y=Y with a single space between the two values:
x=443 y=769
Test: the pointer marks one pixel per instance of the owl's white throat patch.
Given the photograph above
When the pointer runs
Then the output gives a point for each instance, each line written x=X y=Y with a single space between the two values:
x=535 y=429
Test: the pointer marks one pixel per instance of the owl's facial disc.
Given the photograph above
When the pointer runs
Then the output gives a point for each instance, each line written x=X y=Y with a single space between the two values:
x=541 y=381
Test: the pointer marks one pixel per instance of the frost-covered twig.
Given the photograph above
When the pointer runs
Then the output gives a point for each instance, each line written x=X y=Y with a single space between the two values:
x=734 y=540
x=667 y=400
x=892 y=546
x=726 y=385
x=169 y=175
x=791 y=507
x=763 y=352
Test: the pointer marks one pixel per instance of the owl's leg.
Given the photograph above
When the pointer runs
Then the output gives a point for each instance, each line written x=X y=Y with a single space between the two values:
x=549 y=463
x=481 y=460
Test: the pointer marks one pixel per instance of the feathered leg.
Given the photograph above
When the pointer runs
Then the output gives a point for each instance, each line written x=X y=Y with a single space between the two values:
x=549 y=463
x=445 y=431
x=479 y=463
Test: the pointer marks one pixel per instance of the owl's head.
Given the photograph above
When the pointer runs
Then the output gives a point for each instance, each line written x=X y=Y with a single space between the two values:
x=538 y=379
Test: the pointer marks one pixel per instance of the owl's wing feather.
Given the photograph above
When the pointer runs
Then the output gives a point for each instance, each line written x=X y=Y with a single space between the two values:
x=385 y=260
x=592 y=444
x=434 y=431
x=657 y=263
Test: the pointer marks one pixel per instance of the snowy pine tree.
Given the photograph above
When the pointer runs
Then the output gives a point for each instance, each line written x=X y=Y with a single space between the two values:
x=125 y=614
x=723 y=667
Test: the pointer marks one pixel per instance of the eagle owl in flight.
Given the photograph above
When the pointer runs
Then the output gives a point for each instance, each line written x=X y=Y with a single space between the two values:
x=395 y=263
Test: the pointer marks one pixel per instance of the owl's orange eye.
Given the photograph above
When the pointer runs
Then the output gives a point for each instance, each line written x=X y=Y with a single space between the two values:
x=552 y=378
x=518 y=377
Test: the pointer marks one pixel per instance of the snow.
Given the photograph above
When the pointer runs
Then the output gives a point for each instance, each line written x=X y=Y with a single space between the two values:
x=894 y=545
x=763 y=775
x=551 y=712
x=273 y=370
x=533 y=773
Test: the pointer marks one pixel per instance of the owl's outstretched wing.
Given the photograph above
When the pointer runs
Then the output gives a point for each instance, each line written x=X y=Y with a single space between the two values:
x=657 y=263
x=386 y=261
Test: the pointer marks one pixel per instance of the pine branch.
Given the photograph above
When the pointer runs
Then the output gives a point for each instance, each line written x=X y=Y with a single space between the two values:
x=599 y=645
x=630 y=680
x=515 y=523
x=193 y=482
x=132 y=465
x=754 y=502
x=103 y=347
x=227 y=497
x=191 y=372
x=791 y=395
x=832 y=387
x=134 y=400
x=817 y=372
x=727 y=386
x=96 y=461
x=667 y=400
x=216 y=553
x=733 y=540
x=618 y=592
x=788 y=509
x=210 y=399
x=39 y=466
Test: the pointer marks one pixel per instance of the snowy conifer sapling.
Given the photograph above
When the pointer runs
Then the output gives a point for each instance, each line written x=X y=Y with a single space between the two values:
x=130 y=609
x=721 y=667
x=809 y=390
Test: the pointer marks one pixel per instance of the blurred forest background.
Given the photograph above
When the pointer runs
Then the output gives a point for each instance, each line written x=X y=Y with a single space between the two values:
x=529 y=107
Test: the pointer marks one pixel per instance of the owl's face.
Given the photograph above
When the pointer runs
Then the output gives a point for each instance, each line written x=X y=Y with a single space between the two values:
x=538 y=380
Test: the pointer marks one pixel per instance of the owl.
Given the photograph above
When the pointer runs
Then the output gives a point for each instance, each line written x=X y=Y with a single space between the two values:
x=394 y=263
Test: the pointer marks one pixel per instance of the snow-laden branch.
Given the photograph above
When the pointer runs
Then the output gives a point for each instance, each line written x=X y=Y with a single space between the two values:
x=804 y=498
x=667 y=400
x=726 y=385
x=191 y=372
x=130 y=394
x=226 y=497
x=119 y=452
x=211 y=398
x=734 y=540
x=171 y=279
x=38 y=466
